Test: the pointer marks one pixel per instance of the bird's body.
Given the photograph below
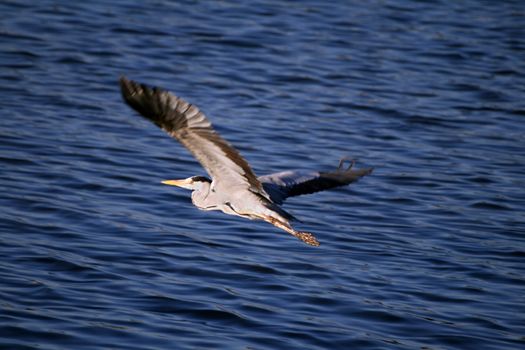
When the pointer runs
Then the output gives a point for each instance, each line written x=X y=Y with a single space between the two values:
x=234 y=188
x=205 y=197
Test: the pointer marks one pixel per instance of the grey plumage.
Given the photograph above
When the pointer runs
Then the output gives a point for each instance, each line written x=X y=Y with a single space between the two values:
x=295 y=183
x=233 y=188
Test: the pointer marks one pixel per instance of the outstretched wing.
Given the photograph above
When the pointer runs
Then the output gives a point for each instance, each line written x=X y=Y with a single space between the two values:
x=186 y=123
x=295 y=183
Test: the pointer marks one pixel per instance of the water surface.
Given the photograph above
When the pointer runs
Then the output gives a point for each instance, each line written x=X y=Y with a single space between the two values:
x=427 y=253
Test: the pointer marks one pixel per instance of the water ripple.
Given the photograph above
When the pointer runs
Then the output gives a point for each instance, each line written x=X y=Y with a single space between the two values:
x=425 y=253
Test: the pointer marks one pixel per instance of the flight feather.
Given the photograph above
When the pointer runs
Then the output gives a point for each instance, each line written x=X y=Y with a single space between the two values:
x=186 y=123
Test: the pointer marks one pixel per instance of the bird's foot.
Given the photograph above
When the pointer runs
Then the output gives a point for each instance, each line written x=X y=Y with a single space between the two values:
x=307 y=238
x=342 y=162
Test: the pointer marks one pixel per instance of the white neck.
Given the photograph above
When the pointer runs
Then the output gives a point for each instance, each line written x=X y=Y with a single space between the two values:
x=200 y=194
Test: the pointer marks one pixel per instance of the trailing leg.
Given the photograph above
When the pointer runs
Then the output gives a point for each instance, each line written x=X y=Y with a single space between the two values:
x=306 y=237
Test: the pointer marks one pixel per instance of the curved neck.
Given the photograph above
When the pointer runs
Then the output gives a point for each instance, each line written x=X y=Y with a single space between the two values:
x=200 y=194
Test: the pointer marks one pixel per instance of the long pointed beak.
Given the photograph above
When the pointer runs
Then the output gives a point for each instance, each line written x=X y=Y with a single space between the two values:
x=179 y=183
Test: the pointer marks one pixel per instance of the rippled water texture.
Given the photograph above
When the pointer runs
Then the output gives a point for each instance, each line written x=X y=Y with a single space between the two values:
x=427 y=253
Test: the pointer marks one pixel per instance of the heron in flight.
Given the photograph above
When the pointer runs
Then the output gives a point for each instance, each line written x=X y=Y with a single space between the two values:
x=233 y=188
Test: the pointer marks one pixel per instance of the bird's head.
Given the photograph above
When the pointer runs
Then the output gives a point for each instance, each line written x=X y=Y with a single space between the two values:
x=191 y=183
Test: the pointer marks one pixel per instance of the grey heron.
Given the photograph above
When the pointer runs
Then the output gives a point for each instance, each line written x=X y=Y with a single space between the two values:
x=233 y=188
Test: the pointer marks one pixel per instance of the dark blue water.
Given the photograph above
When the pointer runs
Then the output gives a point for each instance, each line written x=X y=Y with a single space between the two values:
x=427 y=253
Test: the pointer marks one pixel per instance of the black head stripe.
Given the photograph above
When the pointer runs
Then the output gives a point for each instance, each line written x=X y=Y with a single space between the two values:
x=200 y=178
